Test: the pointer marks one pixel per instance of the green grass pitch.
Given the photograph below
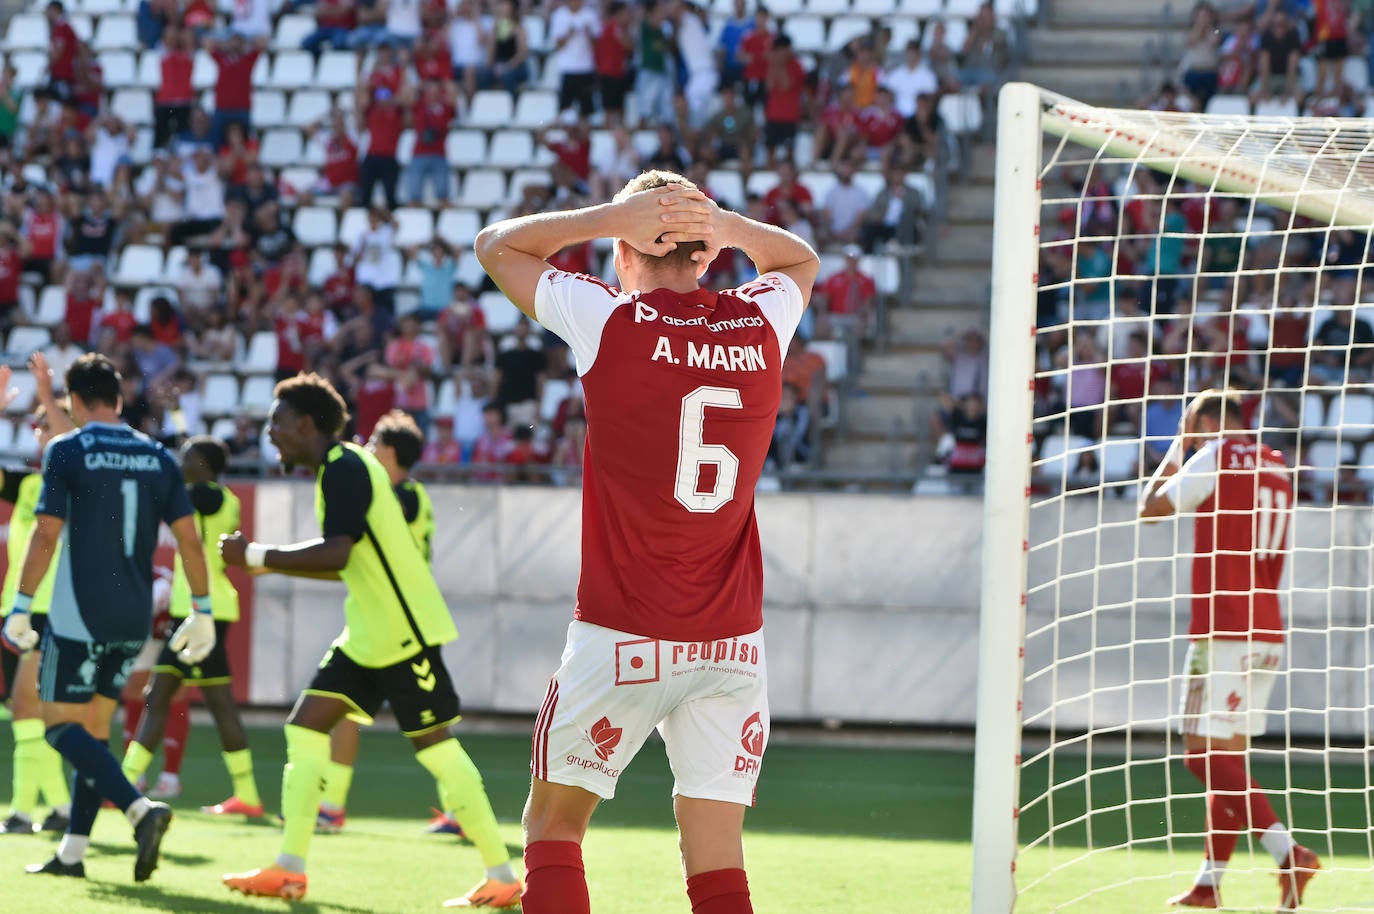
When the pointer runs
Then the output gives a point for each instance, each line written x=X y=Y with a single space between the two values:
x=837 y=830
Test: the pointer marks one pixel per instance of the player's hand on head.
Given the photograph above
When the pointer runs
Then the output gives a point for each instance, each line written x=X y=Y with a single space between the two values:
x=655 y=221
x=233 y=548
x=18 y=633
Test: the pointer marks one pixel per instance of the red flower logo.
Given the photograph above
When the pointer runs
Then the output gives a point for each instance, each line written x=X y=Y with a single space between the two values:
x=751 y=735
x=1233 y=701
x=605 y=738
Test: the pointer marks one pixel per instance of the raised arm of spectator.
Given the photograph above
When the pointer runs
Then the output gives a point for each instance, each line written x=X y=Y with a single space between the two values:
x=58 y=421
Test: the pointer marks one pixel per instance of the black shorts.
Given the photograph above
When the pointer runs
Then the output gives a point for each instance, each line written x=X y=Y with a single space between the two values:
x=577 y=89
x=613 y=91
x=419 y=689
x=9 y=660
x=74 y=672
x=212 y=671
x=778 y=133
x=1334 y=49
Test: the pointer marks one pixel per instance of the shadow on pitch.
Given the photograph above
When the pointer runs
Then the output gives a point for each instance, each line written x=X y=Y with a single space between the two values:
x=123 y=849
x=153 y=897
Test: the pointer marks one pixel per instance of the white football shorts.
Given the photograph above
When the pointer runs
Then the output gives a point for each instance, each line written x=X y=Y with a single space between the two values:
x=708 y=699
x=1227 y=687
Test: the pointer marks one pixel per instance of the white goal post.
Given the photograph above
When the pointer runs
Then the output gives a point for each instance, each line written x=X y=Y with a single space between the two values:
x=1138 y=258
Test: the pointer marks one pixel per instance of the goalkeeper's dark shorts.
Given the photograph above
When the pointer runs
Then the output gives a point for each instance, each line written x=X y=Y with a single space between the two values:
x=212 y=671
x=9 y=660
x=418 y=689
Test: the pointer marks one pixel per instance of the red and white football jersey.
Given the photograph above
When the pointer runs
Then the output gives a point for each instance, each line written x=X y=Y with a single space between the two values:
x=682 y=393
x=1242 y=493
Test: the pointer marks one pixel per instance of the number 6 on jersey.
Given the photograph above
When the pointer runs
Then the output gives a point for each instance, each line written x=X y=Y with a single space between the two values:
x=694 y=455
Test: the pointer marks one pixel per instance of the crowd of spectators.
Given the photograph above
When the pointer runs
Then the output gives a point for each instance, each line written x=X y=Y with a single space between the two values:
x=1310 y=57
x=1140 y=308
x=724 y=99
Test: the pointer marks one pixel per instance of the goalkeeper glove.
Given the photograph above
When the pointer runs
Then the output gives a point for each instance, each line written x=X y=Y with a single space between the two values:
x=195 y=638
x=18 y=632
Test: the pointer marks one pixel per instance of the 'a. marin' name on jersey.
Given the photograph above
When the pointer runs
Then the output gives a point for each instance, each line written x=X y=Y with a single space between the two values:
x=711 y=356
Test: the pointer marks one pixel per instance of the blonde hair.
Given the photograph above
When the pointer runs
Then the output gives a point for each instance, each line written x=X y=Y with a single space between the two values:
x=680 y=256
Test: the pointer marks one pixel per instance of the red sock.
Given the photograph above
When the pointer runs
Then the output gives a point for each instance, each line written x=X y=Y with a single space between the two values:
x=133 y=714
x=1225 y=772
x=174 y=737
x=555 y=882
x=1223 y=827
x=1261 y=812
x=719 y=892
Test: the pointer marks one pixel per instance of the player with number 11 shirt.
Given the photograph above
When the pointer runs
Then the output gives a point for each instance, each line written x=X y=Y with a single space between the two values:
x=682 y=387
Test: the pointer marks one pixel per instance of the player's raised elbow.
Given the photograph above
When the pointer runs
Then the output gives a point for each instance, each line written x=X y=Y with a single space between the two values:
x=486 y=245
x=1156 y=508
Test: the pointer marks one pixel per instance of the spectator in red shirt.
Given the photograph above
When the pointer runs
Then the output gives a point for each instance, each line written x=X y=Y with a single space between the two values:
x=431 y=58
x=444 y=448
x=334 y=19
x=175 y=94
x=63 y=48
x=338 y=285
x=573 y=151
x=119 y=322
x=849 y=294
x=381 y=109
x=880 y=124
x=295 y=333
x=613 y=50
x=411 y=360
x=785 y=88
x=837 y=134
x=11 y=267
x=41 y=234
x=238 y=156
x=430 y=117
x=88 y=88
x=463 y=340
x=84 y=294
x=198 y=16
x=234 y=85
x=166 y=324
x=494 y=446
x=788 y=188
x=754 y=49
x=339 y=175
x=1290 y=331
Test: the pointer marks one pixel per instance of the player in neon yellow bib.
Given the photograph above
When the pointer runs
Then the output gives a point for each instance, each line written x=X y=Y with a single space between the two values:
x=389 y=651
x=397 y=443
x=37 y=766
x=203 y=460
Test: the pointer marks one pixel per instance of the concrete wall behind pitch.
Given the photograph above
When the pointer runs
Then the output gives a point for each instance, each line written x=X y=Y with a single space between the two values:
x=871 y=607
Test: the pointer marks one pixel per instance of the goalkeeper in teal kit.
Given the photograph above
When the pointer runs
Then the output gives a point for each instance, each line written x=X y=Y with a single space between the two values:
x=107 y=488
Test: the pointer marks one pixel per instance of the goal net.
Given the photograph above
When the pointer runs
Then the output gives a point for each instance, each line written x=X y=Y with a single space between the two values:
x=1142 y=257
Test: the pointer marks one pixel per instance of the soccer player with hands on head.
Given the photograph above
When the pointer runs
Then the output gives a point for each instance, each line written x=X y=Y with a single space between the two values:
x=106 y=490
x=389 y=651
x=682 y=388
x=1240 y=494
x=37 y=766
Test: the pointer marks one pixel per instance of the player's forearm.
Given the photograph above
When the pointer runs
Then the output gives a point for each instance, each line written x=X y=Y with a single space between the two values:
x=42 y=547
x=768 y=246
x=544 y=234
x=313 y=556
x=1152 y=506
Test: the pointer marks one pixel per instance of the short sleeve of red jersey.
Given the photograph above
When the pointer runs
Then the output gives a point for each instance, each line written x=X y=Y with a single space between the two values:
x=576 y=307
x=781 y=301
x=1195 y=482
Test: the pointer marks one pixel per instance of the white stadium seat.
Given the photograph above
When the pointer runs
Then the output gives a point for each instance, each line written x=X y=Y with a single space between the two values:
x=315 y=226
x=139 y=264
x=727 y=186
x=466 y=148
x=501 y=315
x=120 y=69
x=414 y=226
x=26 y=387
x=261 y=357
x=1322 y=459
x=490 y=109
x=27 y=32
x=458 y=227
x=845 y=29
x=291 y=30
x=353 y=225
x=292 y=70
x=828 y=8
x=321 y=265
x=30 y=70
x=1229 y=104
x=115 y=33
x=526 y=177
x=24 y=341
x=836 y=356
x=483 y=188
x=135 y=106
x=336 y=70
x=204 y=70
x=256 y=398
x=510 y=149
x=308 y=107
x=536 y=108
x=470 y=272
x=269 y=108
x=807 y=33
x=52 y=307
x=281 y=147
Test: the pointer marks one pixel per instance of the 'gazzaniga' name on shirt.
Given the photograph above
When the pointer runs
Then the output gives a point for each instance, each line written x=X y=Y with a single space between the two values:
x=712 y=356
x=113 y=460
